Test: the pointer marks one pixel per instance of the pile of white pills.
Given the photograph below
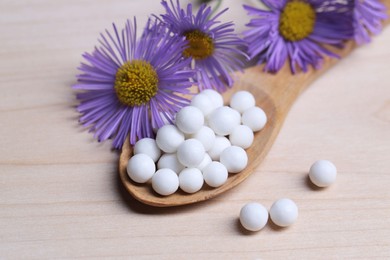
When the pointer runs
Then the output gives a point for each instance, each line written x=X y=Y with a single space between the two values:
x=253 y=216
x=205 y=145
x=323 y=173
x=207 y=142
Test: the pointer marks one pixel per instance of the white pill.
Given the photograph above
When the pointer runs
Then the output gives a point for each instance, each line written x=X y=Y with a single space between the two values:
x=323 y=173
x=220 y=144
x=170 y=161
x=223 y=120
x=206 y=136
x=283 y=212
x=189 y=119
x=169 y=138
x=190 y=153
x=140 y=168
x=242 y=100
x=149 y=147
x=204 y=103
x=215 y=174
x=214 y=96
x=255 y=118
x=242 y=136
x=165 y=182
x=206 y=161
x=190 y=180
x=234 y=158
x=253 y=216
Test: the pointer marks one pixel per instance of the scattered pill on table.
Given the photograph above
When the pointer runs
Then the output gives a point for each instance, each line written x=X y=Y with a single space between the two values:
x=323 y=173
x=283 y=212
x=253 y=216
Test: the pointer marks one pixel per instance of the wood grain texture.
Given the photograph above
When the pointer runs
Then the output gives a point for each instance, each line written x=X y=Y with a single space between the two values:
x=61 y=197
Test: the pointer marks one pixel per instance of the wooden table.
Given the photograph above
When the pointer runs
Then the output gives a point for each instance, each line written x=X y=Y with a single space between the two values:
x=60 y=196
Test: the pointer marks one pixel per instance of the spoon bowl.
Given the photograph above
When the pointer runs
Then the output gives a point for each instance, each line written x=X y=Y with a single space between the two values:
x=256 y=153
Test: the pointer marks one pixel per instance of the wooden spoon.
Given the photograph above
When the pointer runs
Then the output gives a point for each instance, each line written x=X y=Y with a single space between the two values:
x=275 y=93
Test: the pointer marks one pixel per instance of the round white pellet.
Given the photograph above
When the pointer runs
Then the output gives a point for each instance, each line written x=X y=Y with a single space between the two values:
x=255 y=118
x=220 y=144
x=283 y=212
x=169 y=138
x=189 y=119
x=234 y=158
x=204 y=103
x=149 y=147
x=215 y=174
x=242 y=136
x=190 y=153
x=140 y=168
x=170 y=161
x=323 y=173
x=242 y=100
x=253 y=216
x=223 y=120
x=190 y=180
x=215 y=97
x=206 y=136
x=165 y=182
x=206 y=161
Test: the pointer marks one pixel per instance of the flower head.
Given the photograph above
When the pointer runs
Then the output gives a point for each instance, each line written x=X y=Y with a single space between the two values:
x=132 y=86
x=295 y=30
x=214 y=48
x=368 y=15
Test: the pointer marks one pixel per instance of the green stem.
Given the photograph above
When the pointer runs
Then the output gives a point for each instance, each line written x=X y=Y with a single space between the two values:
x=219 y=2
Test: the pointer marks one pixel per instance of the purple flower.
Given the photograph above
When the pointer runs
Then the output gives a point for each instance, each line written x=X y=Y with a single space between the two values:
x=130 y=86
x=368 y=15
x=214 y=48
x=295 y=30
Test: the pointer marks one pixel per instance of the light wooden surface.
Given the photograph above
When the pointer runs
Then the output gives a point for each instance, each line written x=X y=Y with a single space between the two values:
x=60 y=195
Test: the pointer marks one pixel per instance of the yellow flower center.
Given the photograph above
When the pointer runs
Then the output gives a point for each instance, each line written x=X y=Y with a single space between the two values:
x=297 y=20
x=200 y=44
x=136 y=82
